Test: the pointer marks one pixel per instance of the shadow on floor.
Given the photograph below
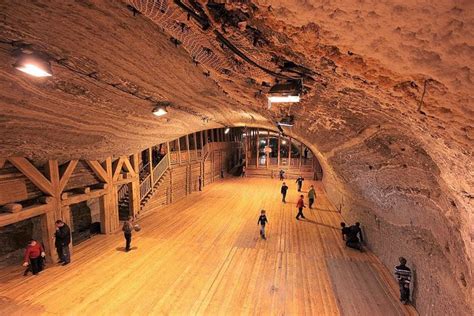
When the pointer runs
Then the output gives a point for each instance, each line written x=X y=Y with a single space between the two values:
x=320 y=224
x=324 y=210
x=122 y=249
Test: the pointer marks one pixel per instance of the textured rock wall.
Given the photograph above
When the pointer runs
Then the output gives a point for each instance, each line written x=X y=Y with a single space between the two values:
x=388 y=105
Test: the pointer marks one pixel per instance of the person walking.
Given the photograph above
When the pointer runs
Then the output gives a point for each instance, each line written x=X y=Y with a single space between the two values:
x=243 y=171
x=299 y=181
x=63 y=239
x=262 y=221
x=300 y=205
x=34 y=255
x=127 y=229
x=403 y=276
x=311 y=196
x=282 y=175
x=284 y=189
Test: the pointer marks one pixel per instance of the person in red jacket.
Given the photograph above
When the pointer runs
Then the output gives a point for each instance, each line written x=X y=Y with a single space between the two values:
x=300 y=205
x=33 y=257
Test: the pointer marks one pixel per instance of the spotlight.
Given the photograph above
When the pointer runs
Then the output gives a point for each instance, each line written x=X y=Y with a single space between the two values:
x=227 y=130
x=160 y=110
x=288 y=92
x=283 y=142
x=33 y=65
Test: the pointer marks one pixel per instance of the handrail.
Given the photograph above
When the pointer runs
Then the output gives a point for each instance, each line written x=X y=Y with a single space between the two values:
x=160 y=168
x=145 y=187
x=122 y=192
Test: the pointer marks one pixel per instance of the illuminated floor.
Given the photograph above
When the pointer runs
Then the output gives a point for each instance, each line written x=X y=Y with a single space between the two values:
x=203 y=255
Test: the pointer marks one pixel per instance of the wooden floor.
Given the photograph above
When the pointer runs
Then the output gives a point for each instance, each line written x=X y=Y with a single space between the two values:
x=203 y=255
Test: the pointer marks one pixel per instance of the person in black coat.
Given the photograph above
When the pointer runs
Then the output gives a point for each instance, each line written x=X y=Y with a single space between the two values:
x=284 y=189
x=62 y=241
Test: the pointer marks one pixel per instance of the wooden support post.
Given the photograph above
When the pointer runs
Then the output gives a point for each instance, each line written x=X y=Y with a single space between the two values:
x=289 y=152
x=202 y=139
x=195 y=146
x=187 y=147
x=268 y=153
x=134 y=189
x=246 y=144
x=179 y=151
x=109 y=210
x=48 y=229
x=279 y=146
x=169 y=153
x=257 y=147
x=150 y=159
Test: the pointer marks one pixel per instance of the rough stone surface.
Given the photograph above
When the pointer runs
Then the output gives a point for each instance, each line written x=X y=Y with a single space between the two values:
x=388 y=108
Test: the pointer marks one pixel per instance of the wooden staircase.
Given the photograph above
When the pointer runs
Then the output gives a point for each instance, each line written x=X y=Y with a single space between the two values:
x=154 y=190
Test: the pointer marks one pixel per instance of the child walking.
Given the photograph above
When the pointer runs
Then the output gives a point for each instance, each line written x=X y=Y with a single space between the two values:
x=262 y=221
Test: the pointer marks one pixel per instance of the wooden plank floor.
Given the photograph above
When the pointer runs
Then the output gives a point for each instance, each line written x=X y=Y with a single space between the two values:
x=203 y=255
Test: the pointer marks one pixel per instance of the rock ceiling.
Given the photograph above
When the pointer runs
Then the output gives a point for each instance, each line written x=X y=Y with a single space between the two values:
x=388 y=103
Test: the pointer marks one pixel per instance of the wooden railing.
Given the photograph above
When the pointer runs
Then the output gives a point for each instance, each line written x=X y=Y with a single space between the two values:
x=160 y=168
x=145 y=187
x=122 y=192
x=174 y=157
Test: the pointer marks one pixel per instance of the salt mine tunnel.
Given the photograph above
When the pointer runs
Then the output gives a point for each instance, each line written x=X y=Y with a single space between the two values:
x=176 y=119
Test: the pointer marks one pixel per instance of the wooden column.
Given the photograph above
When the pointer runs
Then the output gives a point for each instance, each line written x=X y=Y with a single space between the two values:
x=48 y=229
x=150 y=159
x=246 y=145
x=195 y=146
x=202 y=139
x=187 y=147
x=134 y=187
x=257 y=147
x=109 y=210
x=289 y=152
x=169 y=153
x=278 y=158
x=179 y=151
x=268 y=153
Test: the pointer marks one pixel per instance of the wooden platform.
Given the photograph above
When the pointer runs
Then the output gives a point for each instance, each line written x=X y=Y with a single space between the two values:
x=203 y=255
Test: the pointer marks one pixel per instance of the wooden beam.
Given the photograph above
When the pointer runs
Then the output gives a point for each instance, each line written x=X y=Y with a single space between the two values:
x=27 y=212
x=73 y=199
x=67 y=174
x=98 y=170
x=128 y=166
x=30 y=171
x=2 y=162
x=117 y=168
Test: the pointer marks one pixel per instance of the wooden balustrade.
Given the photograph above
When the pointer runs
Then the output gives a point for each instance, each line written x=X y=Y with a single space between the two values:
x=145 y=187
x=123 y=192
x=174 y=157
x=160 y=169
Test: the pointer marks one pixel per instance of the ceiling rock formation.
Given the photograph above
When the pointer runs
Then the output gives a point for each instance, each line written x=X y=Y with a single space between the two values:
x=388 y=103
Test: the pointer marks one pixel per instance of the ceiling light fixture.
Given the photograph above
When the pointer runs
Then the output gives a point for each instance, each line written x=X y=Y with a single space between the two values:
x=288 y=92
x=160 y=110
x=33 y=65
x=227 y=130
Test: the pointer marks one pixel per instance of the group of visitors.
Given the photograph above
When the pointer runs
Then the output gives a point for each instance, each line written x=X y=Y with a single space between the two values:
x=352 y=235
x=35 y=256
